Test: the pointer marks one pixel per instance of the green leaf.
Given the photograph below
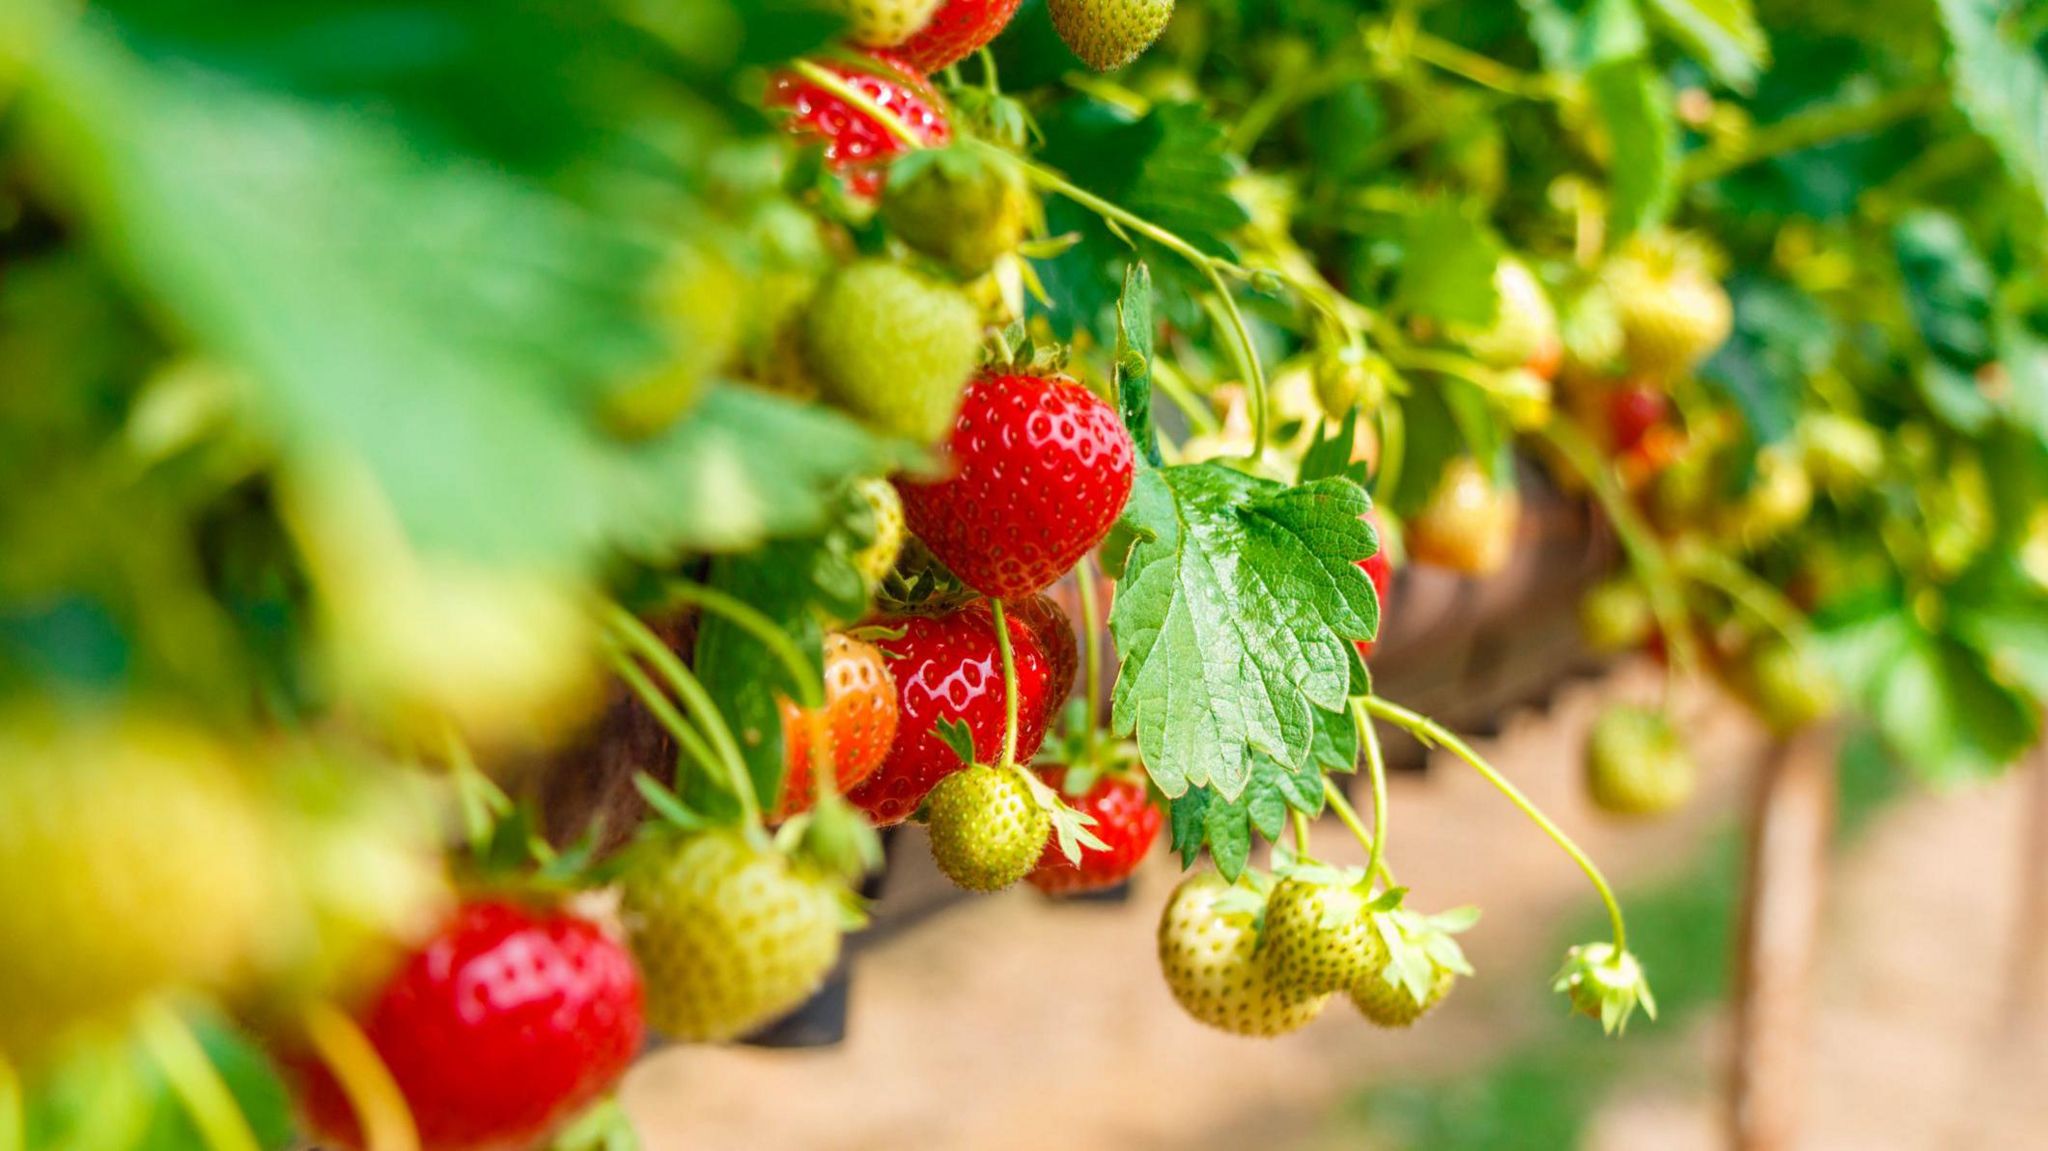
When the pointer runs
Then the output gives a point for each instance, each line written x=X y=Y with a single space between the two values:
x=957 y=735
x=1941 y=710
x=795 y=583
x=2001 y=85
x=1134 y=329
x=1782 y=338
x=1449 y=254
x=1234 y=618
x=1573 y=36
x=1169 y=166
x=1949 y=291
x=1723 y=35
x=1642 y=164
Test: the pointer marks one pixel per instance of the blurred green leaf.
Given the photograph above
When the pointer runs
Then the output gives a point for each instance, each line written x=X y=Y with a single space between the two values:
x=2001 y=85
x=1723 y=35
x=1448 y=257
x=1949 y=293
x=1643 y=163
x=1575 y=36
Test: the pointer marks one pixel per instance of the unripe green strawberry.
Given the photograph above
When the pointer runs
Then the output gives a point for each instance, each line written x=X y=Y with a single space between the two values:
x=885 y=23
x=729 y=936
x=1390 y=1004
x=1524 y=323
x=1616 y=616
x=1350 y=377
x=133 y=860
x=1777 y=501
x=987 y=829
x=1636 y=764
x=1319 y=937
x=1842 y=454
x=957 y=207
x=1589 y=328
x=1209 y=954
x=1791 y=688
x=1108 y=34
x=893 y=347
x=1672 y=313
x=885 y=507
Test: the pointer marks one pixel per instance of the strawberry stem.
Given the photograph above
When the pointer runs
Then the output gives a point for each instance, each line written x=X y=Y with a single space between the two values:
x=1300 y=823
x=482 y=801
x=684 y=683
x=1376 y=769
x=1738 y=583
x=381 y=1111
x=1242 y=349
x=1645 y=555
x=860 y=101
x=1091 y=649
x=1347 y=816
x=12 y=1122
x=681 y=730
x=809 y=686
x=1432 y=733
x=195 y=1081
x=1009 y=759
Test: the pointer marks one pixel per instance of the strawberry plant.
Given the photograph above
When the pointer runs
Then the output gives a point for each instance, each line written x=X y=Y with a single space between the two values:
x=781 y=408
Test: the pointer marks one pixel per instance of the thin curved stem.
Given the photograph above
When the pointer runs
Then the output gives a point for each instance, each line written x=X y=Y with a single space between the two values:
x=1348 y=816
x=665 y=713
x=1242 y=348
x=1812 y=128
x=1091 y=646
x=859 y=100
x=810 y=688
x=381 y=1111
x=1376 y=769
x=1009 y=684
x=1300 y=823
x=684 y=683
x=1741 y=585
x=1431 y=732
x=1645 y=555
x=195 y=1081
x=1481 y=70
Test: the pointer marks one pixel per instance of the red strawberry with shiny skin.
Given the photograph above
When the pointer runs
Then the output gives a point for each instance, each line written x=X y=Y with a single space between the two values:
x=948 y=667
x=857 y=146
x=955 y=31
x=1125 y=818
x=1379 y=568
x=1632 y=411
x=859 y=722
x=1041 y=468
x=503 y=1026
x=1055 y=635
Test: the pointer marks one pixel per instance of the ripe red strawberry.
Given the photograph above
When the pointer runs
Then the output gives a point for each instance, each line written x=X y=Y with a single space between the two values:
x=948 y=667
x=859 y=718
x=857 y=146
x=505 y=1024
x=955 y=31
x=1125 y=819
x=1055 y=635
x=1632 y=410
x=1041 y=469
x=1379 y=567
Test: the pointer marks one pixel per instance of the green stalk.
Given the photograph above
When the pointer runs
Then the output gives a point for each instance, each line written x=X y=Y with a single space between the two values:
x=684 y=683
x=1809 y=129
x=1242 y=348
x=381 y=1111
x=1645 y=555
x=810 y=690
x=195 y=1081
x=1481 y=70
x=1431 y=732
x=1376 y=767
x=665 y=713
x=1300 y=823
x=1009 y=759
x=1091 y=646
x=1334 y=796
x=859 y=100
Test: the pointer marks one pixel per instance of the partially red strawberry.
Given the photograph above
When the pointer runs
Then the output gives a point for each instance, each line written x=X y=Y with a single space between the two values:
x=504 y=1025
x=1379 y=567
x=1041 y=468
x=1632 y=410
x=1055 y=635
x=1125 y=819
x=858 y=146
x=948 y=667
x=955 y=31
x=859 y=720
